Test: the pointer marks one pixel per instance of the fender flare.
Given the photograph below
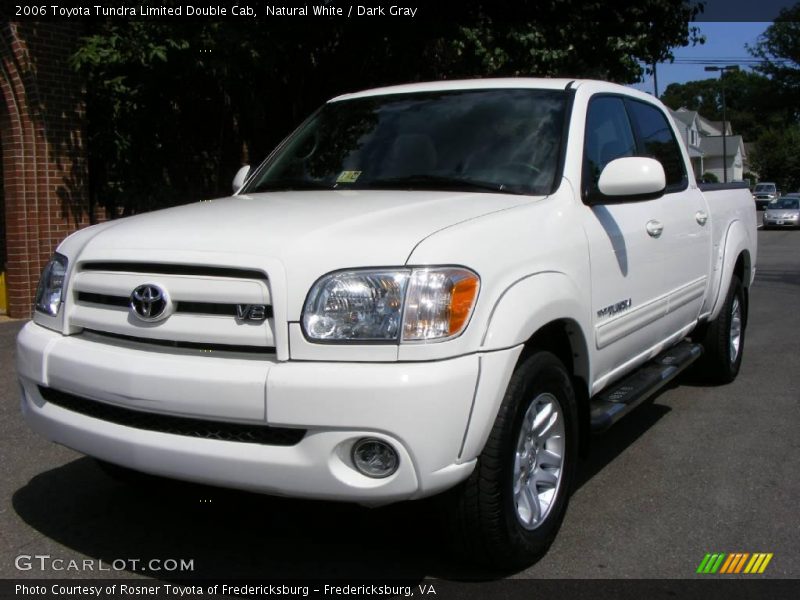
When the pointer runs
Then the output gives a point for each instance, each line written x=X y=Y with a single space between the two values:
x=524 y=308
x=736 y=243
x=532 y=302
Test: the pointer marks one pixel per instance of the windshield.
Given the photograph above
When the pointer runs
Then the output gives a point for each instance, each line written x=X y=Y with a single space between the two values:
x=477 y=140
x=784 y=204
x=765 y=188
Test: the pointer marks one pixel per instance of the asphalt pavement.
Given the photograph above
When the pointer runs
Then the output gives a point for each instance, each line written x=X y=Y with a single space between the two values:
x=698 y=470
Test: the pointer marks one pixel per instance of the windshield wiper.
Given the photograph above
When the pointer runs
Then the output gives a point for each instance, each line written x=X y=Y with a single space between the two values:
x=440 y=182
x=290 y=185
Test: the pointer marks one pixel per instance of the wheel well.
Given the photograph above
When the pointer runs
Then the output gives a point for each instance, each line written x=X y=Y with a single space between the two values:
x=565 y=339
x=740 y=269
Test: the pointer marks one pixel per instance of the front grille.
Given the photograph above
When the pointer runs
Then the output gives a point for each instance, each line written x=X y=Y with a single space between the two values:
x=202 y=346
x=171 y=269
x=212 y=306
x=104 y=299
x=198 y=428
x=196 y=308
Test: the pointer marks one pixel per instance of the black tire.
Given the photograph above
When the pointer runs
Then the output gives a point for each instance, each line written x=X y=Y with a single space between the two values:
x=483 y=511
x=718 y=365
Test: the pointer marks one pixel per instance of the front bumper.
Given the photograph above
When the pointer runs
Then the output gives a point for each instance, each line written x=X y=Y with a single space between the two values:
x=775 y=222
x=422 y=409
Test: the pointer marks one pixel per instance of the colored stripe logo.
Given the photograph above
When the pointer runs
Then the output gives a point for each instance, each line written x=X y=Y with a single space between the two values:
x=734 y=563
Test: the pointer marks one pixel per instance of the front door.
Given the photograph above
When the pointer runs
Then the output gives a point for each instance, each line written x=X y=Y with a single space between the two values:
x=644 y=255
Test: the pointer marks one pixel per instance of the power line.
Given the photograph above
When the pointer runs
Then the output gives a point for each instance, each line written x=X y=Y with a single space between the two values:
x=727 y=59
x=709 y=61
x=743 y=63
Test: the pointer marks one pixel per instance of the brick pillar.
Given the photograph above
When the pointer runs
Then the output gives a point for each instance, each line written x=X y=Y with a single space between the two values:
x=3 y=126
x=44 y=159
x=3 y=294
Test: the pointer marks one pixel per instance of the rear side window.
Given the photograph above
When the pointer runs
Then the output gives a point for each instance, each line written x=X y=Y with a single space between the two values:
x=658 y=141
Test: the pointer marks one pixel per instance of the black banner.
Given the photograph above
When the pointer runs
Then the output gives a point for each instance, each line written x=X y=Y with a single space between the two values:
x=509 y=589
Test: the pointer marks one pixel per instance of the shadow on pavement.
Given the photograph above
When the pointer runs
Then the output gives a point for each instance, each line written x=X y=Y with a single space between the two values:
x=228 y=534
x=777 y=277
x=239 y=535
x=605 y=447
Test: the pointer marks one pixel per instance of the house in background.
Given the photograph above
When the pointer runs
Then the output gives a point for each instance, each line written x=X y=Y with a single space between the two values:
x=687 y=122
x=734 y=155
x=748 y=166
x=703 y=141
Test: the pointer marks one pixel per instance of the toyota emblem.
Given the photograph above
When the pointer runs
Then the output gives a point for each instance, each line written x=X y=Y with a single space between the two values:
x=149 y=302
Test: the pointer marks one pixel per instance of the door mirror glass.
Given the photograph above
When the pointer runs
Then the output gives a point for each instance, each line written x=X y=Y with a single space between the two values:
x=239 y=178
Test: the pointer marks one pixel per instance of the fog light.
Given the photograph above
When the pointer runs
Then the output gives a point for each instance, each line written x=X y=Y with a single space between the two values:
x=375 y=458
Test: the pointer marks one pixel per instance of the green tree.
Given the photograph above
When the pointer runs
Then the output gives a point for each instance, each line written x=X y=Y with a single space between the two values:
x=175 y=107
x=775 y=157
x=779 y=50
x=753 y=101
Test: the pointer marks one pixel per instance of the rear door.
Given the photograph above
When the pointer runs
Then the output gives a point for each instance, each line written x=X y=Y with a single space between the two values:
x=684 y=251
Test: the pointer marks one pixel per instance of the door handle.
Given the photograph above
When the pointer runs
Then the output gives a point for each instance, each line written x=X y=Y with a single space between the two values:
x=701 y=217
x=654 y=228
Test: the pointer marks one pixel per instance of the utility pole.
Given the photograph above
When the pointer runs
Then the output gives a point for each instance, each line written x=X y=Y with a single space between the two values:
x=655 y=80
x=724 y=116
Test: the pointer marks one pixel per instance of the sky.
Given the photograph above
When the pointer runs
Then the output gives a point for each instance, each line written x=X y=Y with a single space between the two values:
x=725 y=44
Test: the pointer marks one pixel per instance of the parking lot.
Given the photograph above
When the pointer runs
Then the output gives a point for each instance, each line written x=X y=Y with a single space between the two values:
x=698 y=470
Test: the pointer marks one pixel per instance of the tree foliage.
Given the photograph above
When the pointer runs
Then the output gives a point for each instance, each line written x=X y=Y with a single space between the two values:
x=174 y=107
x=779 y=50
x=776 y=157
x=761 y=105
x=753 y=102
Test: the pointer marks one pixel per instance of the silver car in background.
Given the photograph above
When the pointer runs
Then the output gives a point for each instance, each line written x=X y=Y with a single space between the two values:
x=783 y=212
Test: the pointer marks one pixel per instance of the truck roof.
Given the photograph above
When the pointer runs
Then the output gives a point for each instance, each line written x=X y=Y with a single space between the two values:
x=479 y=84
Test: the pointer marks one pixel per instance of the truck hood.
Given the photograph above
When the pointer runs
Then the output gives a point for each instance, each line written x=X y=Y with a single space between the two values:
x=302 y=234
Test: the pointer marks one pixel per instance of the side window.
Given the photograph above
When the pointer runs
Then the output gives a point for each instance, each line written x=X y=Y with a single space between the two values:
x=608 y=136
x=659 y=142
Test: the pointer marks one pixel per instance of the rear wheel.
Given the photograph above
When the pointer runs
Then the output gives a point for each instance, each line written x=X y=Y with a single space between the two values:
x=723 y=338
x=508 y=512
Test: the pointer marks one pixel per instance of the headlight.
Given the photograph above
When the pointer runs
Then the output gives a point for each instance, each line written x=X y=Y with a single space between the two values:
x=51 y=285
x=387 y=305
x=356 y=305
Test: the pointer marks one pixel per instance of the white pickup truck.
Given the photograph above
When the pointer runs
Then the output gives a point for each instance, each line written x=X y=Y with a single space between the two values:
x=428 y=287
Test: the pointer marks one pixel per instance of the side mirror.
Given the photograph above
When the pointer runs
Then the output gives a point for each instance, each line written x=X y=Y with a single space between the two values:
x=239 y=178
x=631 y=178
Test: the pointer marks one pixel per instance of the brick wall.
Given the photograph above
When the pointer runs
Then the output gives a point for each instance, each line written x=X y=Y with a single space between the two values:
x=3 y=125
x=43 y=156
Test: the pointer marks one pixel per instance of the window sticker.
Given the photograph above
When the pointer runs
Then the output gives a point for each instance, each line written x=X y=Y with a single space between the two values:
x=348 y=177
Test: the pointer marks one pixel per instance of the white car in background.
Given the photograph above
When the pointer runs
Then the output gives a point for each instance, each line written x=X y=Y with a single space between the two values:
x=764 y=193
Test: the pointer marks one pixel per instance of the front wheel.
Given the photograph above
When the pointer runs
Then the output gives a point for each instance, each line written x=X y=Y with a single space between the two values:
x=509 y=510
